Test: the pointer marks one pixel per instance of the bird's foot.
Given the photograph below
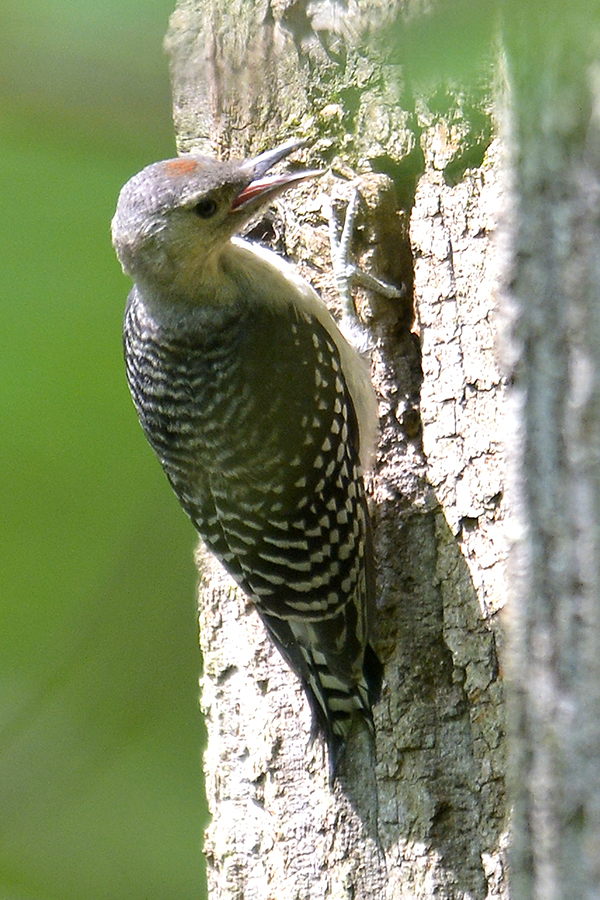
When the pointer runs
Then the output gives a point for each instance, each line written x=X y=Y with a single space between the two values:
x=346 y=273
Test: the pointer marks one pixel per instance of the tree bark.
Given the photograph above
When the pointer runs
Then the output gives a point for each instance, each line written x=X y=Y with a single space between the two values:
x=427 y=816
x=552 y=299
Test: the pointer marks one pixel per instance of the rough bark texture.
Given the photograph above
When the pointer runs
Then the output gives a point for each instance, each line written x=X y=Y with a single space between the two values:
x=427 y=816
x=553 y=299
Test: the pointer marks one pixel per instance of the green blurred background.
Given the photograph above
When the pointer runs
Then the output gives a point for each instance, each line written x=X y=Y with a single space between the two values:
x=101 y=791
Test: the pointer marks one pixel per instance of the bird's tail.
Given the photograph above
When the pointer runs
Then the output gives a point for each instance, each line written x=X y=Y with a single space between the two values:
x=341 y=687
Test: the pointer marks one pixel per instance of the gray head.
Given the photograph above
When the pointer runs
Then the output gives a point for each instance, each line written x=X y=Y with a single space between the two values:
x=174 y=216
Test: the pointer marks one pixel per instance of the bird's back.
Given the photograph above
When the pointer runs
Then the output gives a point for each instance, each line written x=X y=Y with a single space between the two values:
x=248 y=408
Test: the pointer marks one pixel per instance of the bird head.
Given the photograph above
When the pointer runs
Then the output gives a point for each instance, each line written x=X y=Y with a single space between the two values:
x=174 y=216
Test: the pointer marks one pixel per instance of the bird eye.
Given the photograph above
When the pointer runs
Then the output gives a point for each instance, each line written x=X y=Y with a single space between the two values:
x=205 y=208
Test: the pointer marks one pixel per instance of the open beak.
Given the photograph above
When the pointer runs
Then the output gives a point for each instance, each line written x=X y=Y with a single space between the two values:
x=264 y=187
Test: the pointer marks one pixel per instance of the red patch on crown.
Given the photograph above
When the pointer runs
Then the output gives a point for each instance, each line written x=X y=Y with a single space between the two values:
x=179 y=167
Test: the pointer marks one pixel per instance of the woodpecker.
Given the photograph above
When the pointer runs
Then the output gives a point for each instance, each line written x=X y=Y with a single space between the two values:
x=261 y=414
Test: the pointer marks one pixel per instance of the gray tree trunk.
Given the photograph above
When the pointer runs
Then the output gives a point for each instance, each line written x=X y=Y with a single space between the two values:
x=427 y=817
x=553 y=298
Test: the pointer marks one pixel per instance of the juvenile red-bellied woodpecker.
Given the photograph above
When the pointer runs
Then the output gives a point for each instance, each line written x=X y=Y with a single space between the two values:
x=261 y=413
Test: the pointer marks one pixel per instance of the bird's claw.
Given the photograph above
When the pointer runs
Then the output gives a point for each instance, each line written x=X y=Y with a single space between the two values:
x=345 y=272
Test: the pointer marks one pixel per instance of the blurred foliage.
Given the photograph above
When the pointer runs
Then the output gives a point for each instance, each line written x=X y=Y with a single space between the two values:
x=452 y=41
x=100 y=736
